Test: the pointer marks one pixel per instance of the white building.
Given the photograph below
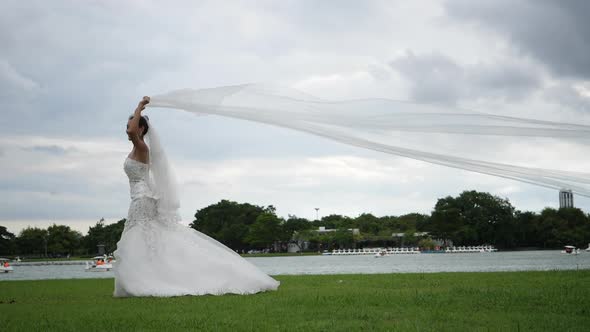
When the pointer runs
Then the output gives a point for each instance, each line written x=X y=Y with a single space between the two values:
x=323 y=230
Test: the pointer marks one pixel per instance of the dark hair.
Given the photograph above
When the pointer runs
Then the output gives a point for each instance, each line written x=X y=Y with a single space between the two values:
x=143 y=122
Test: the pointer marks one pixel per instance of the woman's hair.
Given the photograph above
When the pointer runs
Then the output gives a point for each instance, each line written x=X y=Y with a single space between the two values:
x=143 y=122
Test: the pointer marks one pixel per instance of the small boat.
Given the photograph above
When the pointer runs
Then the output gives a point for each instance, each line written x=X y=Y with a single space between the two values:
x=588 y=249
x=5 y=265
x=100 y=264
x=382 y=253
x=570 y=250
x=470 y=249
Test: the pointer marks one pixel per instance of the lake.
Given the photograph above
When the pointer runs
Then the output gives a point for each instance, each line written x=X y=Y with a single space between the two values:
x=420 y=263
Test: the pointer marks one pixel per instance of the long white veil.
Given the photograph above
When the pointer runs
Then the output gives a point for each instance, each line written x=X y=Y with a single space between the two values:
x=464 y=139
x=164 y=186
x=163 y=181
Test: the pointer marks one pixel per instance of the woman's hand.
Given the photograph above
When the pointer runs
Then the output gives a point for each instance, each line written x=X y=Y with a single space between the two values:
x=143 y=102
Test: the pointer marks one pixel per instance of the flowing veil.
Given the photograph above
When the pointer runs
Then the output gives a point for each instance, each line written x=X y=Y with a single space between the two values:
x=163 y=182
x=165 y=188
x=486 y=143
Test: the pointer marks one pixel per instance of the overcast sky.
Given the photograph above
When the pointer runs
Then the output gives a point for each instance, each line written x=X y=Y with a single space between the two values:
x=72 y=71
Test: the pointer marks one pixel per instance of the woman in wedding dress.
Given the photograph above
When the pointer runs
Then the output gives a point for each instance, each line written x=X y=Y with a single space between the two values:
x=156 y=255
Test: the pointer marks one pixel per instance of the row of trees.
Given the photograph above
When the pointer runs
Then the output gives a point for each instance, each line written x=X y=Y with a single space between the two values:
x=60 y=240
x=242 y=226
x=471 y=218
x=476 y=217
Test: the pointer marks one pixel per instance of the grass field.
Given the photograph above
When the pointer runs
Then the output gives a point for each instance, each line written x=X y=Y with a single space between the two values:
x=506 y=301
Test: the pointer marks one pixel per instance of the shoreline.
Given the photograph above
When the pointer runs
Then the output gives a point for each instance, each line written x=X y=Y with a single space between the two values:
x=279 y=254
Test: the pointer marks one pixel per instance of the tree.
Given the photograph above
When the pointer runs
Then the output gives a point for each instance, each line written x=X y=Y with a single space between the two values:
x=335 y=221
x=113 y=235
x=474 y=218
x=413 y=221
x=427 y=243
x=343 y=238
x=302 y=236
x=294 y=224
x=578 y=226
x=94 y=237
x=319 y=241
x=566 y=226
x=552 y=229
x=409 y=238
x=107 y=235
x=527 y=229
x=7 y=242
x=32 y=240
x=62 y=240
x=446 y=218
x=368 y=223
x=228 y=222
x=265 y=231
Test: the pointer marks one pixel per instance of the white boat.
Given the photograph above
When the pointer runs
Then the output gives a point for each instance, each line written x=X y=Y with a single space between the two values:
x=588 y=249
x=382 y=253
x=5 y=265
x=570 y=250
x=372 y=251
x=470 y=249
x=377 y=252
x=100 y=264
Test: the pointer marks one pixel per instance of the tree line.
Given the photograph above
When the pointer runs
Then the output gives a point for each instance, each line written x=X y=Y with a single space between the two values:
x=471 y=218
x=60 y=240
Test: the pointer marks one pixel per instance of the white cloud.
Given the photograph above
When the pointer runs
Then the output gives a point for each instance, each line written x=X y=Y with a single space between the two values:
x=91 y=62
x=14 y=83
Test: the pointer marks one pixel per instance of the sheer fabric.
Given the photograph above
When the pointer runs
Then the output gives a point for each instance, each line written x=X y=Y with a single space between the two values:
x=474 y=141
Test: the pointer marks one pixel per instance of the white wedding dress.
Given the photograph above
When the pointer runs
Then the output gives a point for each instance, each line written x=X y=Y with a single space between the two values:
x=157 y=256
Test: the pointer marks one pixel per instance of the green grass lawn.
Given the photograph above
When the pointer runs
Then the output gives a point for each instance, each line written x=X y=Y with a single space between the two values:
x=508 y=301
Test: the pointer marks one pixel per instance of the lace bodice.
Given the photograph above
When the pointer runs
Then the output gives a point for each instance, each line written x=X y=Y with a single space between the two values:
x=138 y=174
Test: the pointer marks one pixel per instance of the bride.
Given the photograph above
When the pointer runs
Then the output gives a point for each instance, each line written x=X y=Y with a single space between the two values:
x=156 y=255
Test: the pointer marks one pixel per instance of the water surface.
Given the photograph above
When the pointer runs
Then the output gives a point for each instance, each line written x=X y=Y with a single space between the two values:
x=485 y=262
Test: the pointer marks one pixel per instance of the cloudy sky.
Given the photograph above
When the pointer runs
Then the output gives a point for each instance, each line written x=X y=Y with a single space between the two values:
x=72 y=71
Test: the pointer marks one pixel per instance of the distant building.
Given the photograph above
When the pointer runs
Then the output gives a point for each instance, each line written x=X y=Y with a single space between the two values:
x=566 y=199
x=437 y=242
x=417 y=234
x=297 y=245
x=323 y=230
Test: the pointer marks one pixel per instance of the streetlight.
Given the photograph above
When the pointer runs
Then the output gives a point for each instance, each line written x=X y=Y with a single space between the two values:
x=317 y=213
